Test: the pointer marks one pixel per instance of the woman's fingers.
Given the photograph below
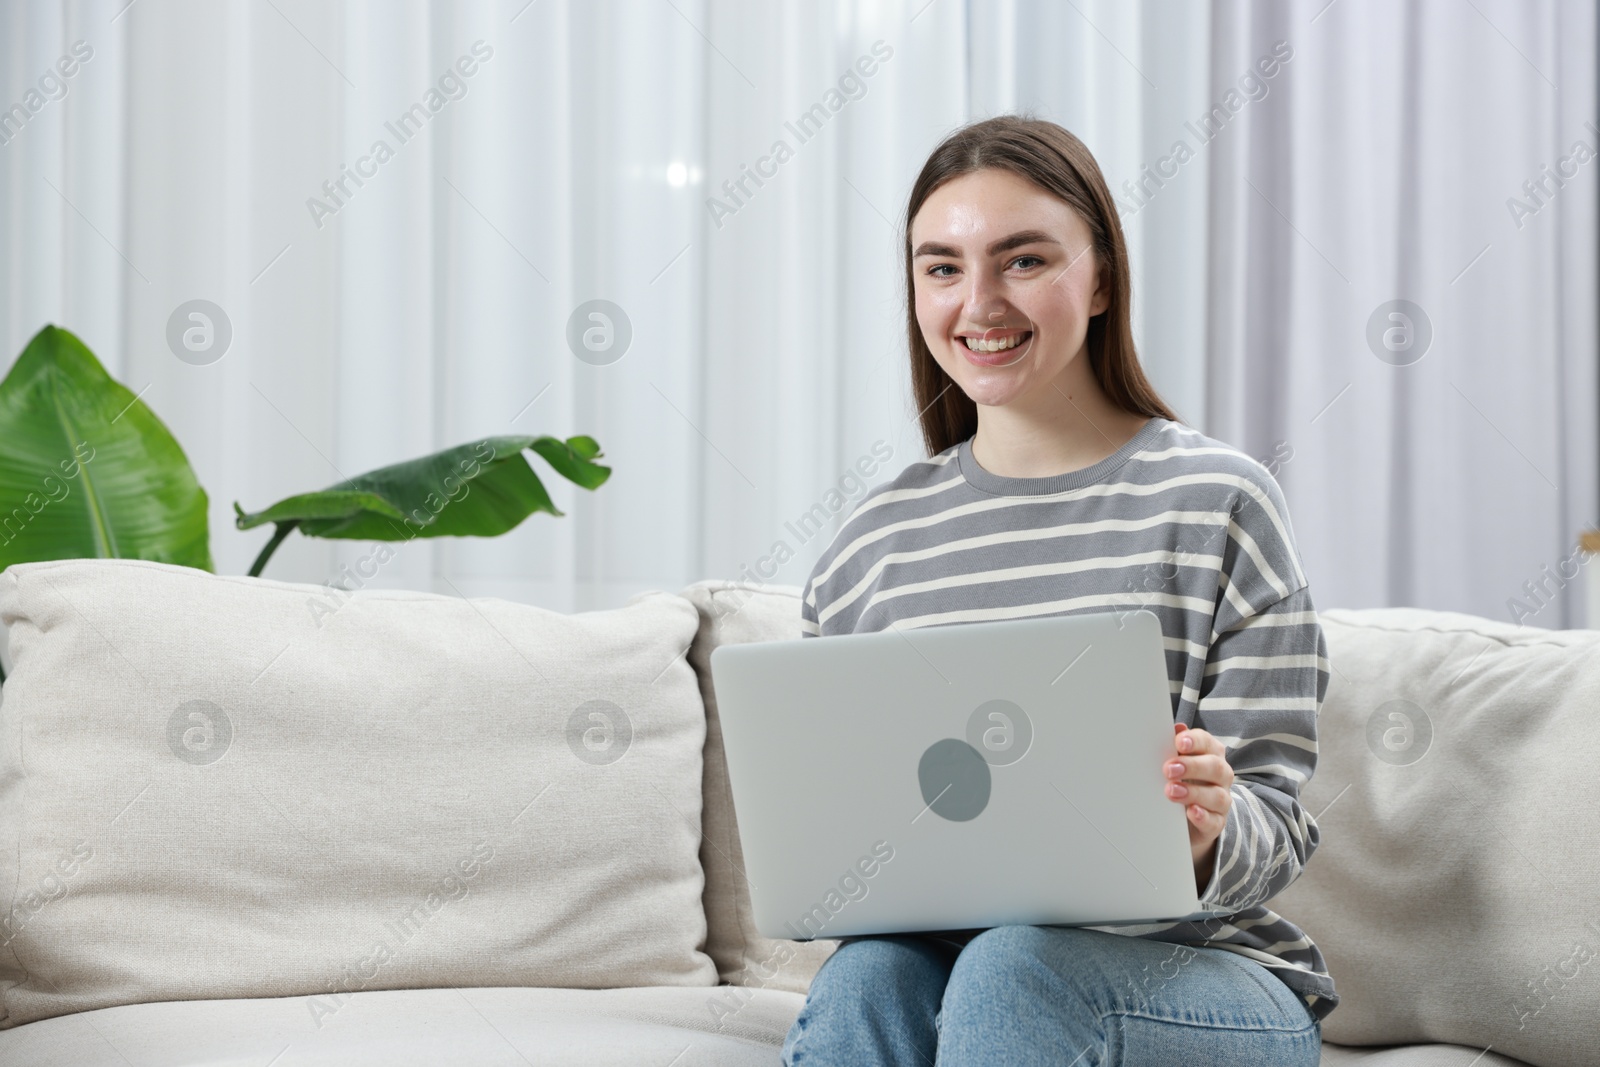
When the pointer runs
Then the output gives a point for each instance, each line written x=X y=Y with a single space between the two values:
x=1212 y=798
x=1193 y=741
x=1203 y=769
x=1200 y=779
x=1208 y=822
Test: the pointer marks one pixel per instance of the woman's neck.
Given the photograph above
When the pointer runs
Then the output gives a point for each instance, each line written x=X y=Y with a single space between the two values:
x=1063 y=426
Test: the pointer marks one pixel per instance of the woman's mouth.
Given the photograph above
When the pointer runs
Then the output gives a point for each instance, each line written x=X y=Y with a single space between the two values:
x=1001 y=347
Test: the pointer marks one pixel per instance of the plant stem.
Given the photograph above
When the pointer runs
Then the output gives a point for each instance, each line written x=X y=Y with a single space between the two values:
x=279 y=532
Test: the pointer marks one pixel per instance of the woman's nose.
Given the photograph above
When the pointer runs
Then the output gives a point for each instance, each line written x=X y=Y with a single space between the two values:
x=984 y=305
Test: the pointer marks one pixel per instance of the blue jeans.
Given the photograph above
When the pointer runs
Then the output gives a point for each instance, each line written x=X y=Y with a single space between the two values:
x=1062 y=996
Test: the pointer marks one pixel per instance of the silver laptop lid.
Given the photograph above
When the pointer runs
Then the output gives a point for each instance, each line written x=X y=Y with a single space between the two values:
x=955 y=777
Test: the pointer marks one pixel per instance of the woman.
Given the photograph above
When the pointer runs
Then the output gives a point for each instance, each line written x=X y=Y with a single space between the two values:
x=1060 y=482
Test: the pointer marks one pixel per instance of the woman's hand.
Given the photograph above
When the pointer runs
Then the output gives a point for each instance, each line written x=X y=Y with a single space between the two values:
x=1201 y=780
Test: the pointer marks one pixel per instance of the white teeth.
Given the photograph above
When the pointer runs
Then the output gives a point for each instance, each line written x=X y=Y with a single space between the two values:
x=993 y=346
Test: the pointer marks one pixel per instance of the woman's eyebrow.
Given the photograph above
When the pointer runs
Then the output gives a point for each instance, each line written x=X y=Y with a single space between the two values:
x=1005 y=244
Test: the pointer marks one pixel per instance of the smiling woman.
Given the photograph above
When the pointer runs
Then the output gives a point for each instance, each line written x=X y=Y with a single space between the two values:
x=1059 y=482
x=1059 y=278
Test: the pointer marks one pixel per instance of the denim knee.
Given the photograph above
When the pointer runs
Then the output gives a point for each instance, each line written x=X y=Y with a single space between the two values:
x=875 y=1000
x=1027 y=995
x=879 y=968
x=1002 y=970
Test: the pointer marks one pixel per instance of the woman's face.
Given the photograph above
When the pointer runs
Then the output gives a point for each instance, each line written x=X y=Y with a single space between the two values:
x=996 y=257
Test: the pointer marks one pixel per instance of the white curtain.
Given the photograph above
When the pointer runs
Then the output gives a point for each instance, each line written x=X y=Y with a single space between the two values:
x=428 y=305
x=1391 y=165
x=767 y=367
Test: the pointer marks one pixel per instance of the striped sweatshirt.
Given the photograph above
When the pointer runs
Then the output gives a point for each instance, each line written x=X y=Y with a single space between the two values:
x=1173 y=522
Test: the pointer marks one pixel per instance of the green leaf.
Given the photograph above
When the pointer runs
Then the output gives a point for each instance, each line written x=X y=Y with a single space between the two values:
x=479 y=489
x=86 y=469
x=323 y=504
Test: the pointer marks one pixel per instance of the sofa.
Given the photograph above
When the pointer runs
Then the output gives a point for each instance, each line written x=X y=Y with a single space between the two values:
x=255 y=822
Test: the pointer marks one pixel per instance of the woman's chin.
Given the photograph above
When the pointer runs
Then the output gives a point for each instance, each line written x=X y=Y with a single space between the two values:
x=991 y=390
x=992 y=386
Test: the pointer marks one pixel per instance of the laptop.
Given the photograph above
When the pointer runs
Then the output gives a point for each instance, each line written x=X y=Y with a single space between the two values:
x=956 y=777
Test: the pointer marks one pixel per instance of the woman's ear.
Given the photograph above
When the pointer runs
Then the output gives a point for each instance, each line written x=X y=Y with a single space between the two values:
x=1102 y=293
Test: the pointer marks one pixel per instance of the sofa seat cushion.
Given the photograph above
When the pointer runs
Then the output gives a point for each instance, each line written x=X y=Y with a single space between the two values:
x=1413 y=1056
x=488 y=1028
x=500 y=1027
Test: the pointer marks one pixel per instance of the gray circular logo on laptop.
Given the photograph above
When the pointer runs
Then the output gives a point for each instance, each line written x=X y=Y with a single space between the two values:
x=1000 y=731
x=955 y=780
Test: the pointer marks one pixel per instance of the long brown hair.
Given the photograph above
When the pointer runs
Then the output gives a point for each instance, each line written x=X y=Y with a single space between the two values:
x=1056 y=161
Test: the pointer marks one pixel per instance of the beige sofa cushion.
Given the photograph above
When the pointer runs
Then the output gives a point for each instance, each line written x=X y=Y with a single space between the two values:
x=420 y=1028
x=232 y=787
x=1456 y=892
x=733 y=613
x=1414 y=1056
x=514 y=1027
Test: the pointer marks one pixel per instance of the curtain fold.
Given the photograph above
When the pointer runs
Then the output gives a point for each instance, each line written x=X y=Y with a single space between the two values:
x=1455 y=473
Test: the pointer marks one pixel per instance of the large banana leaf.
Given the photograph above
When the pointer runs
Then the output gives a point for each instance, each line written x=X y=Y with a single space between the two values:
x=86 y=469
x=479 y=489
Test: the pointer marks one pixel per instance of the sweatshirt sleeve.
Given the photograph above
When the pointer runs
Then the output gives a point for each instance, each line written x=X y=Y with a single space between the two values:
x=808 y=608
x=1265 y=676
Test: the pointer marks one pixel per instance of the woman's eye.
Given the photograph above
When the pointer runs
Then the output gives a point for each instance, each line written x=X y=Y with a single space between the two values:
x=1027 y=262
